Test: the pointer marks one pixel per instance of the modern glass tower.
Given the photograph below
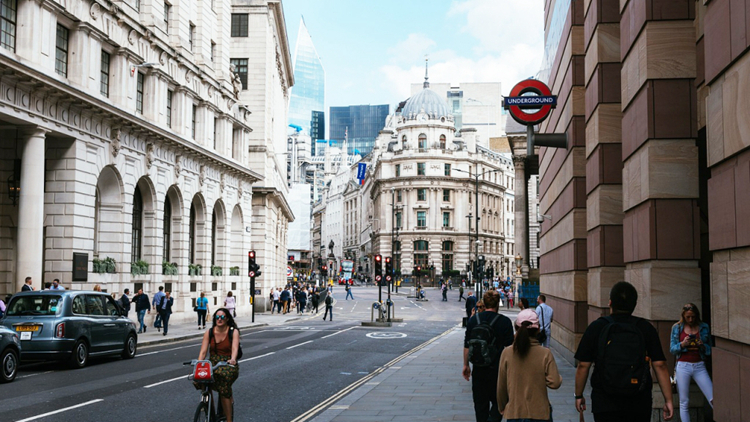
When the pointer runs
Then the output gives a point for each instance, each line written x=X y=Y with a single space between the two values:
x=308 y=92
x=363 y=121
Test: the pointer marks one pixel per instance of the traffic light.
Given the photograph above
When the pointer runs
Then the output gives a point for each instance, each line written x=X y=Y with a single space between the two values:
x=324 y=271
x=388 y=266
x=252 y=266
x=378 y=267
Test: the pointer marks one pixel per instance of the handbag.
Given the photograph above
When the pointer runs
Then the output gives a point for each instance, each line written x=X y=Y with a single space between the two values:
x=541 y=337
x=195 y=308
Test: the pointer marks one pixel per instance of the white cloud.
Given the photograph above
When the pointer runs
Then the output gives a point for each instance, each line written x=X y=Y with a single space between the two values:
x=415 y=45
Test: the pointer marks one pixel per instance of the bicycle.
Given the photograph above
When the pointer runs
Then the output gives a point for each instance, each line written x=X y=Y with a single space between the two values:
x=205 y=411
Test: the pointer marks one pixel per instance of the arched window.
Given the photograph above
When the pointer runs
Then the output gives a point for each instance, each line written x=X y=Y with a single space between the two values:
x=97 y=208
x=420 y=253
x=137 y=226
x=442 y=141
x=213 y=238
x=447 y=245
x=191 y=236
x=422 y=141
x=167 y=230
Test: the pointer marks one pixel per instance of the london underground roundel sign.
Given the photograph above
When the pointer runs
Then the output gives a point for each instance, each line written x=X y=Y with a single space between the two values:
x=540 y=104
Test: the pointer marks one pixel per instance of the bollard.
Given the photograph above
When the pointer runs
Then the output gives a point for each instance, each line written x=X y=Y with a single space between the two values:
x=375 y=305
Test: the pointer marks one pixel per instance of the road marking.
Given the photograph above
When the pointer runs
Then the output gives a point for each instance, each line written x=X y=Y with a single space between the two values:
x=165 y=350
x=182 y=377
x=385 y=335
x=256 y=357
x=298 y=345
x=355 y=305
x=54 y=412
x=337 y=332
x=33 y=375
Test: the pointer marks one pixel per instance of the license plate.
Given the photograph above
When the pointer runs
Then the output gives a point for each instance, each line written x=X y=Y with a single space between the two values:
x=26 y=335
x=21 y=328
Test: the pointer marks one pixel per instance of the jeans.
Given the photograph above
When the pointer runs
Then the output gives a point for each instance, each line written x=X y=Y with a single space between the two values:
x=549 y=336
x=202 y=317
x=697 y=371
x=301 y=307
x=141 y=316
x=165 y=321
x=274 y=306
x=349 y=293
x=328 y=309
x=484 y=393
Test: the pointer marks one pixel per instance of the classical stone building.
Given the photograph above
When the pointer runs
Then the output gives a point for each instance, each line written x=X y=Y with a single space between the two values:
x=654 y=187
x=125 y=142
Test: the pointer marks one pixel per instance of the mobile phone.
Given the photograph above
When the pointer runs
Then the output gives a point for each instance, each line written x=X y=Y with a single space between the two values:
x=691 y=335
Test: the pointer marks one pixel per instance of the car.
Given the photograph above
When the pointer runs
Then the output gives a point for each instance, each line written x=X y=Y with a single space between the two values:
x=69 y=326
x=10 y=349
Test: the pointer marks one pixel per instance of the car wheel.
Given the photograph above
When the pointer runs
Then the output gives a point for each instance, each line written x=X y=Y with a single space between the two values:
x=9 y=361
x=131 y=345
x=80 y=356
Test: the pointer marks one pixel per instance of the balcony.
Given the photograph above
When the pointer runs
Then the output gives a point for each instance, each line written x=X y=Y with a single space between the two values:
x=448 y=228
x=420 y=228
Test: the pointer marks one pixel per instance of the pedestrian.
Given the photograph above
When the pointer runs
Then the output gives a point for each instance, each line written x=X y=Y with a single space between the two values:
x=201 y=307
x=125 y=302
x=154 y=304
x=141 y=308
x=526 y=371
x=285 y=296
x=27 y=287
x=3 y=308
x=275 y=293
x=230 y=303
x=691 y=345
x=487 y=333
x=471 y=303
x=165 y=310
x=523 y=303
x=56 y=285
x=461 y=293
x=301 y=301
x=621 y=395
x=445 y=292
x=329 y=306
x=349 y=292
x=315 y=298
x=510 y=299
x=546 y=316
x=97 y=288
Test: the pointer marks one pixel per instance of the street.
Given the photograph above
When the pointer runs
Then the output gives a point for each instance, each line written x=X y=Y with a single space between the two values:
x=286 y=369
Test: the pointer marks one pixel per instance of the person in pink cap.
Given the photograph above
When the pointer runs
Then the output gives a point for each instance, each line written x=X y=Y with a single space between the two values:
x=526 y=371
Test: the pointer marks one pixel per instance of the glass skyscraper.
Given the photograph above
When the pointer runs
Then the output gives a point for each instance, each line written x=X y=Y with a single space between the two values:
x=308 y=92
x=363 y=121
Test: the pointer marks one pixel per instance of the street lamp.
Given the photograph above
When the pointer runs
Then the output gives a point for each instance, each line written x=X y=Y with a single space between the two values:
x=519 y=263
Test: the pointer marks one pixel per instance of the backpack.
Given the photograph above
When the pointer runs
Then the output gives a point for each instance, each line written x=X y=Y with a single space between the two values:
x=329 y=300
x=622 y=368
x=483 y=348
x=231 y=332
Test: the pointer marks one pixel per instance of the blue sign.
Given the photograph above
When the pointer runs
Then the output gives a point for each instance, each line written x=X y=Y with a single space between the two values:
x=530 y=101
x=361 y=169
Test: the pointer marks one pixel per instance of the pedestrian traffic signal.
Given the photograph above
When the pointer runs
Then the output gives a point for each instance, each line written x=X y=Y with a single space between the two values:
x=252 y=267
x=388 y=266
x=324 y=271
x=378 y=267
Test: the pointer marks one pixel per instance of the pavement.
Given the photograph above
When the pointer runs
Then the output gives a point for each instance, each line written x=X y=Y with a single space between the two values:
x=424 y=384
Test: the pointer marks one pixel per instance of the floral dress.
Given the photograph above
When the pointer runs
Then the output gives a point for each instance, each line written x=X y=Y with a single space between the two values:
x=224 y=376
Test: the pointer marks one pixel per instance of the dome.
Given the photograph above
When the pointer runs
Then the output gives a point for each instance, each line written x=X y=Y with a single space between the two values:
x=428 y=101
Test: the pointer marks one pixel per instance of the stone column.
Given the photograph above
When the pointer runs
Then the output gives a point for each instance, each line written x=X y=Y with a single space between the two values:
x=31 y=207
x=519 y=208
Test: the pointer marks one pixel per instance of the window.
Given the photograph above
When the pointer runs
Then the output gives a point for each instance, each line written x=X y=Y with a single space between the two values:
x=191 y=36
x=138 y=5
x=420 y=169
x=446 y=195
x=167 y=230
x=213 y=238
x=213 y=51
x=61 y=51
x=447 y=169
x=240 y=68
x=139 y=94
x=191 y=235
x=398 y=220
x=447 y=262
x=167 y=12
x=442 y=141
x=420 y=259
x=420 y=245
x=421 y=194
x=398 y=195
x=422 y=141
x=104 y=83
x=398 y=170
x=421 y=218
x=8 y=24
x=94 y=305
x=137 y=226
x=169 y=107
x=239 y=24
x=195 y=117
x=446 y=219
x=216 y=130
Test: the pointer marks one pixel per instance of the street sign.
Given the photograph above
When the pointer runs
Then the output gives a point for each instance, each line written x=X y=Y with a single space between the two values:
x=378 y=278
x=387 y=278
x=361 y=169
x=251 y=273
x=288 y=271
x=543 y=102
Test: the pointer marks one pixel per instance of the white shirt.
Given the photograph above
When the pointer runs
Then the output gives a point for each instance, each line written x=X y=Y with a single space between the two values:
x=229 y=302
x=548 y=313
x=276 y=295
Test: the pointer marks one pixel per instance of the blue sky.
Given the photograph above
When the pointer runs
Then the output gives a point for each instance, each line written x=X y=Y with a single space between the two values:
x=372 y=50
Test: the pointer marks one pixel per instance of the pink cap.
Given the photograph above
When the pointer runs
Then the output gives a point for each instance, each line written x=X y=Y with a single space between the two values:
x=528 y=315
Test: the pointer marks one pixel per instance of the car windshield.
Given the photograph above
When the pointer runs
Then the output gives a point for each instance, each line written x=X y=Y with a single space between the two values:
x=35 y=305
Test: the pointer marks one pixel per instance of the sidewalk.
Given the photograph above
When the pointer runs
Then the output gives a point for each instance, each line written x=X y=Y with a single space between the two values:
x=428 y=386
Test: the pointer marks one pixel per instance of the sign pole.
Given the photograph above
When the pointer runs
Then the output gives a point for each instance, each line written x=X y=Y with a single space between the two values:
x=252 y=297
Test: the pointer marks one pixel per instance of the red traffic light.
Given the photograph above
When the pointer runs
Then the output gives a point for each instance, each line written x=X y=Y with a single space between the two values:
x=378 y=258
x=251 y=254
x=388 y=260
x=325 y=267
x=418 y=268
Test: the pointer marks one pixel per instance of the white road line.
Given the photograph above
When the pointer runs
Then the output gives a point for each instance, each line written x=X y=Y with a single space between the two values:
x=298 y=345
x=355 y=305
x=256 y=357
x=182 y=377
x=44 y=415
x=165 y=350
x=337 y=332
x=33 y=375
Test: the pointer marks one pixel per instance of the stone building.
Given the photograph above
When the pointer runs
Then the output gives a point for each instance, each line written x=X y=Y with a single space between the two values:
x=654 y=186
x=125 y=142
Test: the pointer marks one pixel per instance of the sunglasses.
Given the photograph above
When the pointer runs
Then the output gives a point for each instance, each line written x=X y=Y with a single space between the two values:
x=220 y=317
x=688 y=308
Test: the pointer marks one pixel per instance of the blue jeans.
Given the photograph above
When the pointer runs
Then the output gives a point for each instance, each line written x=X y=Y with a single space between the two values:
x=328 y=309
x=697 y=371
x=349 y=293
x=165 y=321
x=141 y=315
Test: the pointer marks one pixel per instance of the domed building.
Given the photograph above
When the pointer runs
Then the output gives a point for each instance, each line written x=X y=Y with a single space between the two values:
x=421 y=194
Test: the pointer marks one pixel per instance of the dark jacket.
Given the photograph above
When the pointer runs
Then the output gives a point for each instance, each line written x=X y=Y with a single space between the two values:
x=471 y=302
x=285 y=295
x=26 y=288
x=168 y=308
x=125 y=303
x=141 y=302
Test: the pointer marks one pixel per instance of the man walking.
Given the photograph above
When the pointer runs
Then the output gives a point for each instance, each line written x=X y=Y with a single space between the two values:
x=125 y=302
x=484 y=375
x=461 y=293
x=545 y=313
x=275 y=294
x=620 y=395
x=155 y=303
x=27 y=287
x=141 y=307
x=349 y=291
x=329 y=306
x=165 y=310
x=445 y=292
x=471 y=303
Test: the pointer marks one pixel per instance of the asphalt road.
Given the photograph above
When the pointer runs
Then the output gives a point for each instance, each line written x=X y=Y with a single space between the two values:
x=285 y=371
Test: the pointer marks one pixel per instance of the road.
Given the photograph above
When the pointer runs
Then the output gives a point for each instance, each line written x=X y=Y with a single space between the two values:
x=286 y=370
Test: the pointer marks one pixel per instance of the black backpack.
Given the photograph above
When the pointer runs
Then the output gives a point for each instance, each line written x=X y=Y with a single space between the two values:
x=622 y=368
x=231 y=332
x=329 y=300
x=483 y=348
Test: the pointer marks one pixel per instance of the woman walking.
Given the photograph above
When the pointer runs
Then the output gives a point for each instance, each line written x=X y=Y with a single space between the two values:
x=691 y=346
x=526 y=371
x=201 y=307
x=230 y=304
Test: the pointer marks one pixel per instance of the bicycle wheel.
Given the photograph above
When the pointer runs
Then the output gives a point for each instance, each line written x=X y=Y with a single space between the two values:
x=201 y=413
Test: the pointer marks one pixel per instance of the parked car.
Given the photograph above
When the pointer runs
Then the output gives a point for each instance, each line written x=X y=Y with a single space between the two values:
x=69 y=325
x=10 y=349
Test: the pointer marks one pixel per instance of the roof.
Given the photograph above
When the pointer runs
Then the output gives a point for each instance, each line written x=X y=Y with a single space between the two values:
x=428 y=101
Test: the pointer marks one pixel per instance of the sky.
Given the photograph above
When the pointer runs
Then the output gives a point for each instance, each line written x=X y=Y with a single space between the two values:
x=373 y=50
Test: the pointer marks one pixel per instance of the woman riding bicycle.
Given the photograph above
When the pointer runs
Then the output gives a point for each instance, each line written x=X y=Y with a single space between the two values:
x=222 y=350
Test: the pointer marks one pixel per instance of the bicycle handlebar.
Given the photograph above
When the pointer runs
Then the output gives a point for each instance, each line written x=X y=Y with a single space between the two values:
x=218 y=365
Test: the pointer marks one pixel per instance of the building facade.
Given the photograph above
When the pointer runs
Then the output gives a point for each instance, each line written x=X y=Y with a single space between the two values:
x=308 y=94
x=359 y=124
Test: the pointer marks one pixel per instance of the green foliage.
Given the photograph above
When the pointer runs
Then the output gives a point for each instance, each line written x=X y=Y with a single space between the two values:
x=194 y=269
x=216 y=270
x=169 y=268
x=234 y=270
x=139 y=267
x=106 y=265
